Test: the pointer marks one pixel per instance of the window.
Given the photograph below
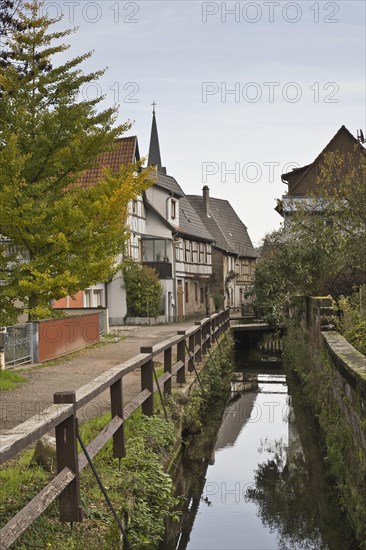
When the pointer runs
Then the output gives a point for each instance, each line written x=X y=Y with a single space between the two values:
x=196 y=292
x=156 y=250
x=201 y=295
x=187 y=253
x=194 y=253
x=87 y=295
x=173 y=209
x=134 y=207
x=202 y=253
x=186 y=292
x=97 y=298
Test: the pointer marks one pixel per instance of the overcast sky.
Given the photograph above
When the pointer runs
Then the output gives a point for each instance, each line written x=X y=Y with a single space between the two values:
x=295 y=70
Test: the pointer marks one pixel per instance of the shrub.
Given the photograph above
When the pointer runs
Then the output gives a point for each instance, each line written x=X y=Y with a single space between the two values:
x=144 y=291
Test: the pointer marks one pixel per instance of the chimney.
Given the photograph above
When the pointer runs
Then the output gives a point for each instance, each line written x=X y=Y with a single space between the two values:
x=206 y=200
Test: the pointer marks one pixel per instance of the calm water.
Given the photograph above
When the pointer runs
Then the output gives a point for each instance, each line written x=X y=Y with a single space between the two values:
x=254 y=479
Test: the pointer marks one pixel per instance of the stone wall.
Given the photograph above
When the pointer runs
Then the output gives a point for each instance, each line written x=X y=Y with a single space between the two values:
x=333 y=381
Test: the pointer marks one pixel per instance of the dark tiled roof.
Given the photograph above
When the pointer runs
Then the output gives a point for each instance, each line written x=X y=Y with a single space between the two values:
x=226 y=227
x=190 y=223
x=124 y=152
x=168 y=183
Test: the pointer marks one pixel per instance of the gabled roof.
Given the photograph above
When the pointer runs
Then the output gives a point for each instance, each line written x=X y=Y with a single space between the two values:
x=168 y=183
x=190 y=224
x=296 y=176
x=229 y=232
x=123 y=152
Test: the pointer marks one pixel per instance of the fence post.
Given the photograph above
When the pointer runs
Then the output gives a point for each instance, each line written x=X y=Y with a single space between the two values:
x=34 y=338
x=147 y=382
x=168 y=368
x=209 y=332
x=191 y=349
x=181 y=356
x=116 y=393
x=204 y=343
x=213 y=329
x=67 y=456
x=198 y=342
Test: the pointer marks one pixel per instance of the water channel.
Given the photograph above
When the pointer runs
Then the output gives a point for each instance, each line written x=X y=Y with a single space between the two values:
x=254 y=478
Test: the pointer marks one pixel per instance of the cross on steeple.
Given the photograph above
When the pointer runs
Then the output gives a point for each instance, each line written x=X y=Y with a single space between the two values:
x=153 y=106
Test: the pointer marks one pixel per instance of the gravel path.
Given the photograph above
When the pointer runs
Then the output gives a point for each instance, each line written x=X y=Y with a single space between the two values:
x=70 y=373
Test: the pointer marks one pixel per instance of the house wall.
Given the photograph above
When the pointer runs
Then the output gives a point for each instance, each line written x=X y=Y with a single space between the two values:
x=343 y=143
x=116 y=300
x=162 y=202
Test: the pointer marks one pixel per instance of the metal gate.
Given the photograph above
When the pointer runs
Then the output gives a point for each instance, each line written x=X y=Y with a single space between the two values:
x=18 y=345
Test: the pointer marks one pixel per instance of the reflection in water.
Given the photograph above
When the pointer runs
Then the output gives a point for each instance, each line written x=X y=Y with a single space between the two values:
x=249 y=482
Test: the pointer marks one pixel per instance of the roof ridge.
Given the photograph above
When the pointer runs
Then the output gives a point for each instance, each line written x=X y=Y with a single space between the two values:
x=341 y=129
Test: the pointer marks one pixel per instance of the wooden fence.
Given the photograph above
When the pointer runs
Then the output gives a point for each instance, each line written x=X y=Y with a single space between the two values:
x=190 y=346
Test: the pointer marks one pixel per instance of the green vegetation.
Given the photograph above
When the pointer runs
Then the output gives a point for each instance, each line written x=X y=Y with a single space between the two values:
x=352 y=322
x=344 y=461
x=61 y=237
x=144 y=291
x=321 y=252
x=10 y=380
x=142 y=491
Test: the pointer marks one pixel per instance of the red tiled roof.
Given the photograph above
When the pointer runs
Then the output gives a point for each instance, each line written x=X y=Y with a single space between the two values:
x=124 y=152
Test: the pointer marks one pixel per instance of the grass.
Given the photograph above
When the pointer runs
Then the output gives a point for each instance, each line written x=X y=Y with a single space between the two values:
x=21 y=480
x=10 y=380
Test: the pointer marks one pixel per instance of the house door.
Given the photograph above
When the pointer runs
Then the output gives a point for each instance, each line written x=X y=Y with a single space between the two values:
x=180 y=300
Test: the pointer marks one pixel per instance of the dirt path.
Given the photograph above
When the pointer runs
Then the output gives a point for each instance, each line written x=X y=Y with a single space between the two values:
x=70 y=373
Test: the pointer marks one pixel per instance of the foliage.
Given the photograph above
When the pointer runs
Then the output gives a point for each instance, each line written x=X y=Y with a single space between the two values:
x=144 y=291
x=10 y=380
x=142 y=481
x=318 y=251
x=147 y=489
x=353 y=319
x=218 y=301
x=61 y=237
x=345 y=460
x=213 y=387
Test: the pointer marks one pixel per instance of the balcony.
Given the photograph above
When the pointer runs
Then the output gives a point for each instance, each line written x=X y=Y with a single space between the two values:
x=163 y=269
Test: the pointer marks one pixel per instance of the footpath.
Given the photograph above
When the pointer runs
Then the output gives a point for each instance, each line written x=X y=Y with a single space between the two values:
x=71 y=372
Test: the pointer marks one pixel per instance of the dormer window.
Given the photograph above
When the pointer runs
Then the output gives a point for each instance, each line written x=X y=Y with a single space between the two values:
x=173 y=209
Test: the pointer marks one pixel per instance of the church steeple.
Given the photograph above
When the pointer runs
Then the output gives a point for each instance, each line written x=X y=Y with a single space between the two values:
x=154 y=149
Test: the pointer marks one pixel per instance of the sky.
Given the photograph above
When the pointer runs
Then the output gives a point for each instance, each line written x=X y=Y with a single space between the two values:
x=245 y=91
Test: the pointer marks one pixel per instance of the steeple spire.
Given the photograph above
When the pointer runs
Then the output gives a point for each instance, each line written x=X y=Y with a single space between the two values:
x=154 y=149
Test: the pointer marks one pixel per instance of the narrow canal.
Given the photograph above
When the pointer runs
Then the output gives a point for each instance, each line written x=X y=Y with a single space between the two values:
x=254 y=478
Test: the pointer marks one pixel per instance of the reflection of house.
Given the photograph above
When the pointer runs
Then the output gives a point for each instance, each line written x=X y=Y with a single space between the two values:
x=233 y=255
x=303 y=188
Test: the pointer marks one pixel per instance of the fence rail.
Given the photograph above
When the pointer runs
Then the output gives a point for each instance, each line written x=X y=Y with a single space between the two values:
x=190 y=346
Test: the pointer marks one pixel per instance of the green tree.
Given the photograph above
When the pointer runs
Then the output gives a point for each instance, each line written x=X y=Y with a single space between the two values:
x=63 y=237
x=323 y=248
x=144 y=291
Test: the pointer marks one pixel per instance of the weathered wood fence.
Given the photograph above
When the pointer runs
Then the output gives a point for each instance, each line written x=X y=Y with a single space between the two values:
x=190 y=346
